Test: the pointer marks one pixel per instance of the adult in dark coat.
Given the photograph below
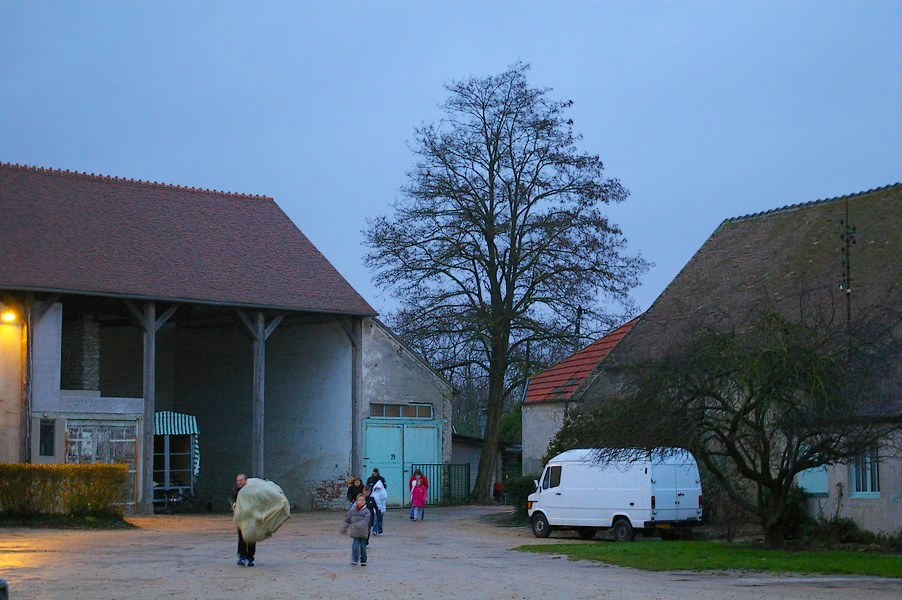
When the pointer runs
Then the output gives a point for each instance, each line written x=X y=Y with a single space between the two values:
x=355 y=487
x=371 y=481
x=246 y=551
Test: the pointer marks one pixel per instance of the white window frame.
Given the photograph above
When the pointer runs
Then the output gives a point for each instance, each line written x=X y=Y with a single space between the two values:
x=864 y=474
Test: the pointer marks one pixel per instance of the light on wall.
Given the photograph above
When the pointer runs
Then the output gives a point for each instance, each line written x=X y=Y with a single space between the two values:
x=7 y=315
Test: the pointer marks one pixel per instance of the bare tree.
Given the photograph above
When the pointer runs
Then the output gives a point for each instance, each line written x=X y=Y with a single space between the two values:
x=499 y=238
x=765 y=401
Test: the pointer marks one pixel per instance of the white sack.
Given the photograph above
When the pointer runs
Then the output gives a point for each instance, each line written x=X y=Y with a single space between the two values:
x=260 y=509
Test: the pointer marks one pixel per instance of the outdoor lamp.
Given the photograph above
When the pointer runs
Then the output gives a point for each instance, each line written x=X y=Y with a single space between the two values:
x=7 y=315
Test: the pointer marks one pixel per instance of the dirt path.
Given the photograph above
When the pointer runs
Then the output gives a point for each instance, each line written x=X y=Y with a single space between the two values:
x=452 y=554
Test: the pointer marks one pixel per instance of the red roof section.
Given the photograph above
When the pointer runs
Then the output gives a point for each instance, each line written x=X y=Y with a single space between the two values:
x=69 y=232
x=559 y=382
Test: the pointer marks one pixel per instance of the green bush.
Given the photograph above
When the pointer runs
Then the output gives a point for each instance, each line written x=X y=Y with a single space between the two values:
x=94 y=490
x=517 y=489
x=27 y=490
x=31 y=490
x=797 y=520
x=837 y=531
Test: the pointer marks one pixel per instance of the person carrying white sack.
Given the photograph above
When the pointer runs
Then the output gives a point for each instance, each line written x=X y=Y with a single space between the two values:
x=259 y=508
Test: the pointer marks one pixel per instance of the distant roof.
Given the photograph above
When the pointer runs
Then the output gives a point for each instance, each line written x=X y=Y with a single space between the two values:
x=68 y=232
x=783 y=258
x=558 y=383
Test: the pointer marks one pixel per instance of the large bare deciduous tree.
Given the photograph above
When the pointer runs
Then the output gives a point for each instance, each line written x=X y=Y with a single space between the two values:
x=499 y=241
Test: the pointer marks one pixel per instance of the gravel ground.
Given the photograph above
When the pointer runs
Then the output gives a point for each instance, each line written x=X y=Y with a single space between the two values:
x=454 y=553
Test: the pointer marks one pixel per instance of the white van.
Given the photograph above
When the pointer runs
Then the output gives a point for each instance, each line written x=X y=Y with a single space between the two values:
x=661 y=494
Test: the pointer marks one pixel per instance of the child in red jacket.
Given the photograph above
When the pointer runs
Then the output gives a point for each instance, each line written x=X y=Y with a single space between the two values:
x=418 y=498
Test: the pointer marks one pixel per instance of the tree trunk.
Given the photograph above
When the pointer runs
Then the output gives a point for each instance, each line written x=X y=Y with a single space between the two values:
x=497 y=370
x=774 y=534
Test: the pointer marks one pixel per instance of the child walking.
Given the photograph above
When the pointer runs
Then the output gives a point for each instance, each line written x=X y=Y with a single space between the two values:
x=381 y=497
x=374 y=510
x=357 y=523
x=418 y=499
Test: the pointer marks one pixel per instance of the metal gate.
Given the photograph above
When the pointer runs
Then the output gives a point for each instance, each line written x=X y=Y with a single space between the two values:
x=392 y=447
x=448 y=484
x=110 y=442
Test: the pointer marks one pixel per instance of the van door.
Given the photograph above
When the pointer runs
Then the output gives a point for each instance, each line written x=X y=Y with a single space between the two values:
x=688 y=489
x=664 y=489
x=550 y=498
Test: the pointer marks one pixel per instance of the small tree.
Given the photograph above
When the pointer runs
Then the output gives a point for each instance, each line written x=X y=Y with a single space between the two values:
x=764 y=402
x=499 y=242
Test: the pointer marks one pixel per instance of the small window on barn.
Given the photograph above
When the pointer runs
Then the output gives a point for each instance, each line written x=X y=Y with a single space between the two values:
x=46 y=439
x=407 y=411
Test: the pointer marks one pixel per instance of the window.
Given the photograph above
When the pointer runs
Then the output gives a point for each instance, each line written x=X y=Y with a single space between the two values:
x=409 y=411
x=46 y=439
x=814 y=481
x=866 y=473
x=552 y=477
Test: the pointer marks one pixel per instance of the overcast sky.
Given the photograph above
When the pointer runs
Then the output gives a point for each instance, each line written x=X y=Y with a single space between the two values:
x=704 y=110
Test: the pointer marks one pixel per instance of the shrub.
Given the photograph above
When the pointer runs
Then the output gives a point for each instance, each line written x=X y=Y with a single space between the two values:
x=94 y=490
x=720 y=510
x=517 y=489
x=796 y=520
x=31 y=490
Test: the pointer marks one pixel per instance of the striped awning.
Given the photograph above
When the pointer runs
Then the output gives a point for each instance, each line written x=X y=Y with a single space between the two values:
x=172 y=423
x=167 y=422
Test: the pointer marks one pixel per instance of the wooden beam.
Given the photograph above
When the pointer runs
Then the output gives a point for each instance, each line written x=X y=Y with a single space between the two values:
x=148 y=319
x=32 y=312
x=353 y=328
x=149 y=322
x=259 y=332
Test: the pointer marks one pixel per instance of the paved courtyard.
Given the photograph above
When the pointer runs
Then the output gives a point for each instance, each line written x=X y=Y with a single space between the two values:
x=452 y=554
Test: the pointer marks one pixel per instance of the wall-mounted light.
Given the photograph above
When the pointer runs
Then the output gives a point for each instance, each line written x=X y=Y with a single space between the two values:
x=7 y=315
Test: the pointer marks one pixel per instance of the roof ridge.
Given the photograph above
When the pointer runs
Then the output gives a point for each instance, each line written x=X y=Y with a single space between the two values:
x=811 y=202
x=141 y=182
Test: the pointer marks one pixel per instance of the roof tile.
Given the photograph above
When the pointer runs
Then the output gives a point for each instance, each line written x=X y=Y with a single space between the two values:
x=559 y=382
x=73 y=232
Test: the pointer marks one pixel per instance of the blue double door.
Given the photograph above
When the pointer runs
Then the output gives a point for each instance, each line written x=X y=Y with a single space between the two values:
x=393 y=446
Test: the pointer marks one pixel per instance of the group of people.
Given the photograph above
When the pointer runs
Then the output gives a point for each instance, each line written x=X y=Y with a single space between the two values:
x=368 y=507
x=363 y=518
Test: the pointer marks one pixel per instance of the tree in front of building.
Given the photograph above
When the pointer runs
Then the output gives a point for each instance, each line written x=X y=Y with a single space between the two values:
x=499 y=242
x=756 y=404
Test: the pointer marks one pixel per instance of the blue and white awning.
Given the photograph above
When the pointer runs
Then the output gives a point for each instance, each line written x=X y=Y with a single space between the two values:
x=167 y=422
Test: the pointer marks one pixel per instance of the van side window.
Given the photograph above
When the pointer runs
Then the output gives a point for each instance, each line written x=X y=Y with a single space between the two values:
x=552 y=478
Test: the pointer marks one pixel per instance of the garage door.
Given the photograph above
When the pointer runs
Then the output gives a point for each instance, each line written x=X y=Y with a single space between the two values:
x=392 y=447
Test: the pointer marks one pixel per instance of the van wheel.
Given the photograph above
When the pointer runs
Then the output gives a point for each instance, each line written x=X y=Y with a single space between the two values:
x=623 y=531
x=540 y=526
x=586 y=533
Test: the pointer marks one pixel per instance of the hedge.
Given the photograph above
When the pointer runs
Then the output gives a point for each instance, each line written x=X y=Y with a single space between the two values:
x=517 y=489
x=28 y=490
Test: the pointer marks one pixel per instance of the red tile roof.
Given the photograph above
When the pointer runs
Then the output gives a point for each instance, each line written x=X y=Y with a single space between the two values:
x=558 y=383
x=70 y=232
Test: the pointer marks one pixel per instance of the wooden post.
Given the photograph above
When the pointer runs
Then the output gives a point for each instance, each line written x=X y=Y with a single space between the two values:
x=259 y=394
x=150 y=324
x=150 y=399
x=259 y=332
x=353 y=328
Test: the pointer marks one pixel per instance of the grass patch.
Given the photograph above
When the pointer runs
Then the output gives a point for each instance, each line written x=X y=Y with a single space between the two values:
x=106 y=521
x=716 y=556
